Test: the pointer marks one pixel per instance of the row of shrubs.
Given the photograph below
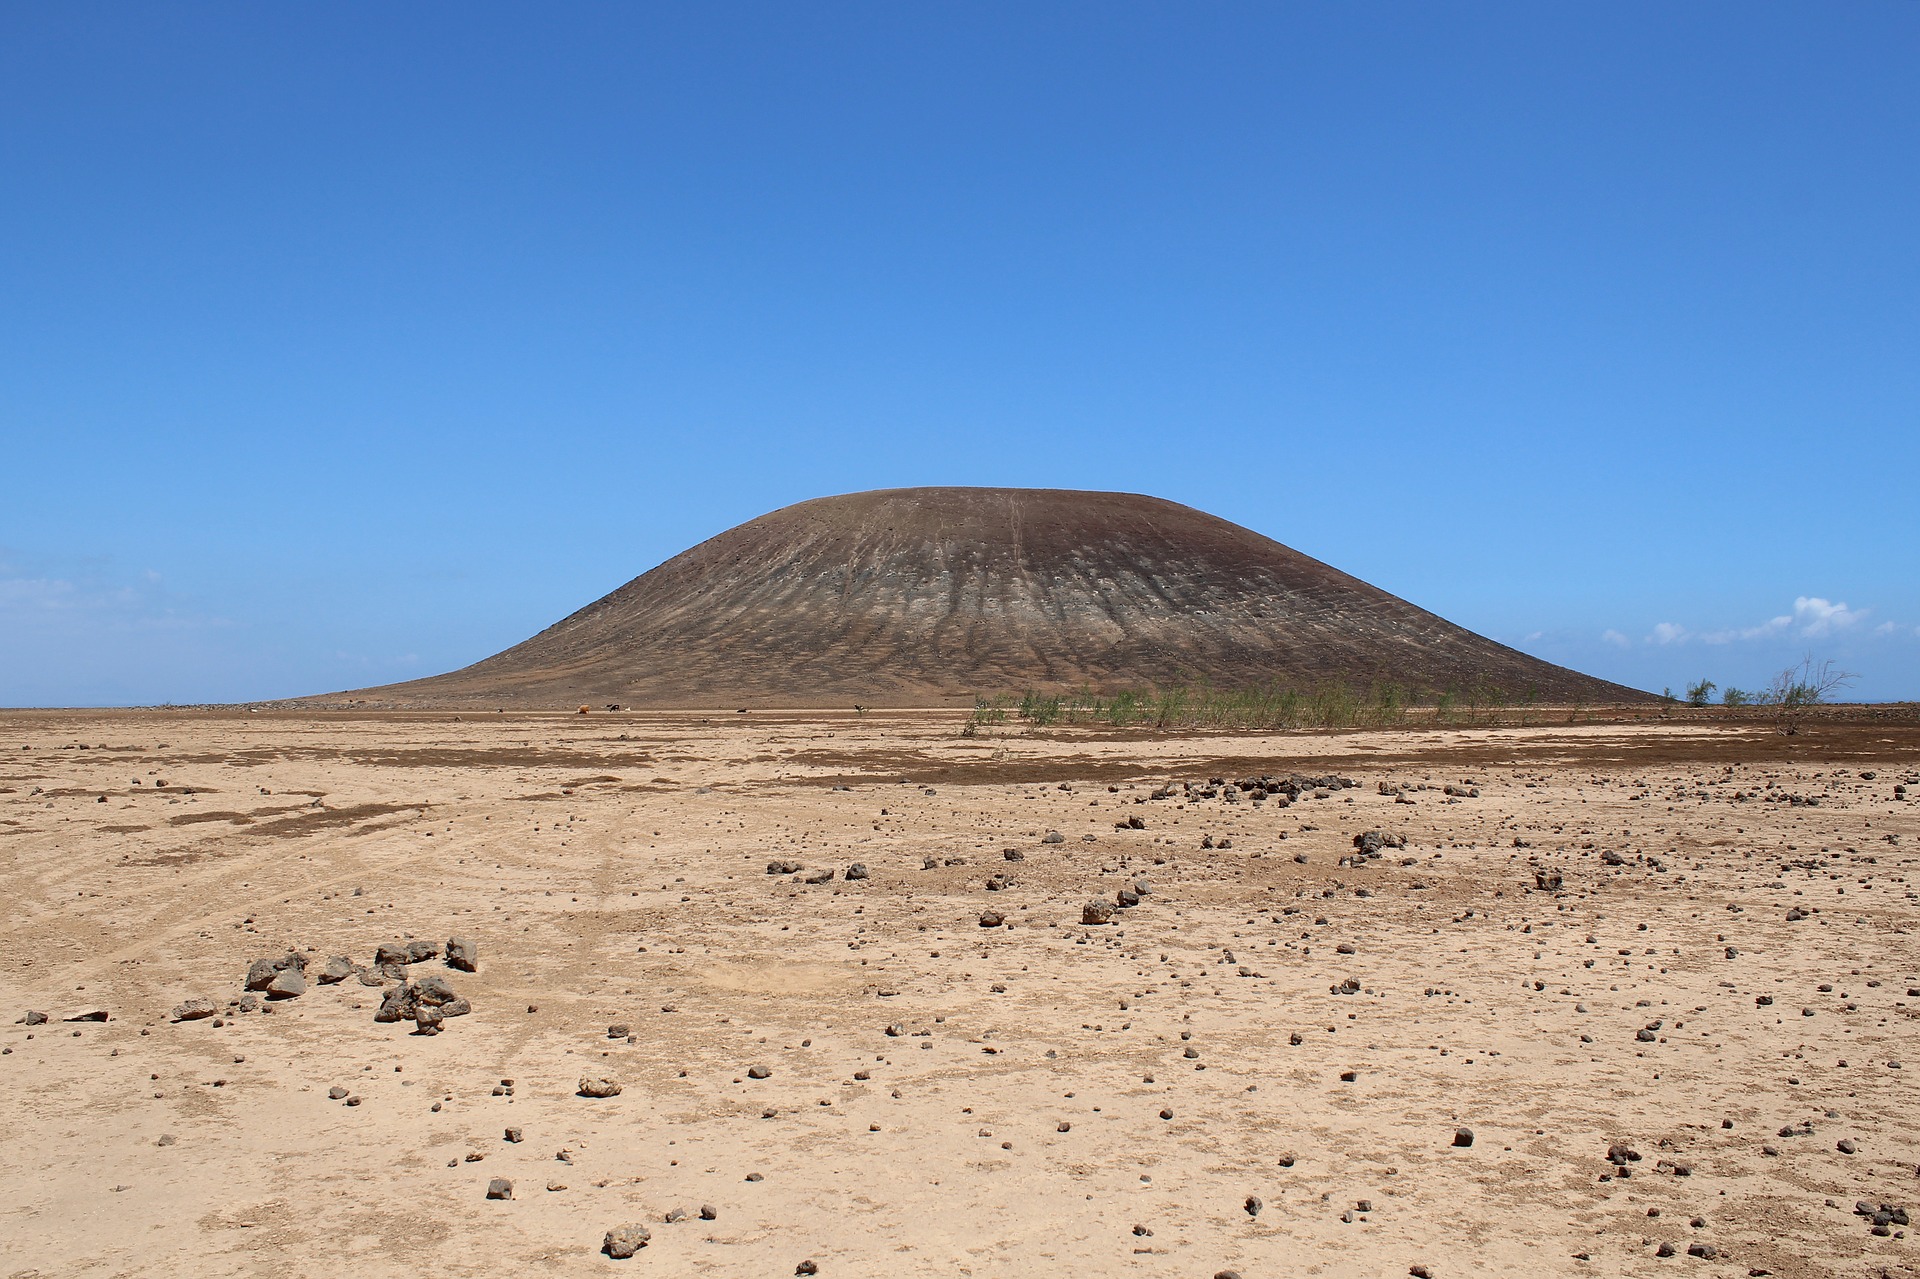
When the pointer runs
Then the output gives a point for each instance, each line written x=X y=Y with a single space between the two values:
x=1327 y=705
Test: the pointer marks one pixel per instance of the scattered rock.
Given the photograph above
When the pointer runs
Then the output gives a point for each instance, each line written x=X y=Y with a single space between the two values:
x=188 y=1010
x=599 y=1086
x=991 y=919
x=1096 y=912
x=1463 y=1137
x=623 y=1241
x=500 y=1188
x=336 y=970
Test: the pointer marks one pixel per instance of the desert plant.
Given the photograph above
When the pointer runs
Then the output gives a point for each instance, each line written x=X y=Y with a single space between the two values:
x=1041 y=709
x=1697 y=694
x=1735 y=697
x=1798 y=687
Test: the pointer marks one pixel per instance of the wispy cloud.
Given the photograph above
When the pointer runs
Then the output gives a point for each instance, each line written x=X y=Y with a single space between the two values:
x=92 y=599
x=1615 y=638
x=1813 y=617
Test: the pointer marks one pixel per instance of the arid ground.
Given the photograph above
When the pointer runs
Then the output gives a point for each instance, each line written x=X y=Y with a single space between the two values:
x=1723 y=988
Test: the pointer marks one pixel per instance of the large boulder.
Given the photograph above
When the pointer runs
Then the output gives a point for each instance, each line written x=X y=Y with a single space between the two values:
x=288 y=983
x=262 y=972
x=463 y=954
x=435 y=991
x=623 y=1241
x=1097 y=912
x=397 y=1004
x=337 y=969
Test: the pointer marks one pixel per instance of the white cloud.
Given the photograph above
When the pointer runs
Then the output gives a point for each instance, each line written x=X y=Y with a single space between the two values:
x=1813 y=617
x=1615 y=638
x=1818 y=617
x=1772 y=626
x=1885 y=628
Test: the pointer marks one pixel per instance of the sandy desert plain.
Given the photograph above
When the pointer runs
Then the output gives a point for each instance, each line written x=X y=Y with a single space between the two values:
x=1726 y=983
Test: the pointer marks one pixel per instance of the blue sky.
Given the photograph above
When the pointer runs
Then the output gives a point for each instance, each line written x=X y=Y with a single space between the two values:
x=350 y=343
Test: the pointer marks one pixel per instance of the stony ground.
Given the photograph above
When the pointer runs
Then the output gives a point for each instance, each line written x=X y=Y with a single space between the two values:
x=1262 y=1067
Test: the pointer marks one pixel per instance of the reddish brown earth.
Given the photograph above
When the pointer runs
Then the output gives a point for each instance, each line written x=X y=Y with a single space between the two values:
x=926 y=596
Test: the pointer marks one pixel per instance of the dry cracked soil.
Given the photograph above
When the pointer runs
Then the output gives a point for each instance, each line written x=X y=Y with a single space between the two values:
x=1627 y=989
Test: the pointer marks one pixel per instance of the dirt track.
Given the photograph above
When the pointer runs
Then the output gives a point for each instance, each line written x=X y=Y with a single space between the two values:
x=612 y=869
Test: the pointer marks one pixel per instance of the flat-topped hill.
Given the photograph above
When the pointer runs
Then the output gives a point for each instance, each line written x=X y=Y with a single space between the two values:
x=934 y=595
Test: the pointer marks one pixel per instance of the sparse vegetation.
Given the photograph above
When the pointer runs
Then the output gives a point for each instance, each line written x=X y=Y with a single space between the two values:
x=1735 y=697
x=1698 y=694
x=1798 y=687
x=1328 y=705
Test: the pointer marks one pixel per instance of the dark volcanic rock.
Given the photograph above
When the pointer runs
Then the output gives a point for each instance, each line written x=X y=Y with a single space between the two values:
x=912 y=596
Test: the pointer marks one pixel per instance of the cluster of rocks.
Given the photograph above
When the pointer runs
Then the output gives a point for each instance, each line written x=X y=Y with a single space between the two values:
x=1371 y=846
x=1883 y=1219
x=426 y=1002
x=801 y=875
x=282 y=978
x=1101 y=911
x=1282 y=791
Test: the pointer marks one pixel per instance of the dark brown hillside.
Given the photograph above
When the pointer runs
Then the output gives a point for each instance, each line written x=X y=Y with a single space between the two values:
x=928 y=596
